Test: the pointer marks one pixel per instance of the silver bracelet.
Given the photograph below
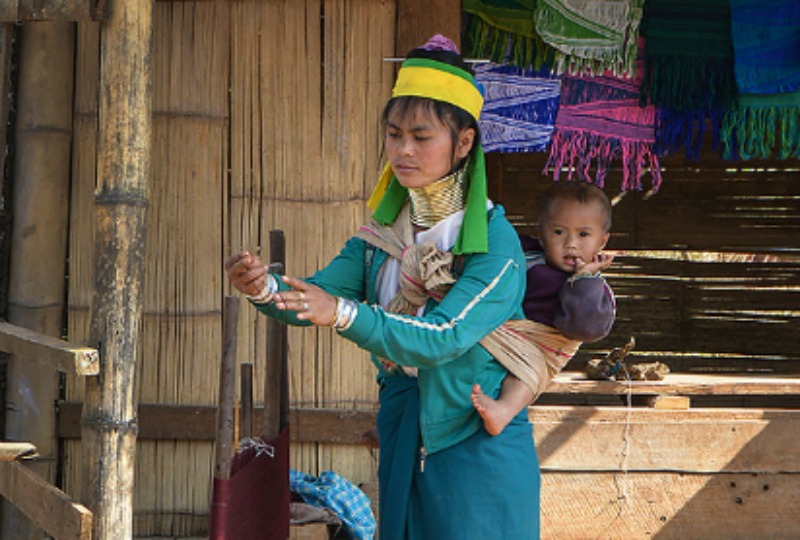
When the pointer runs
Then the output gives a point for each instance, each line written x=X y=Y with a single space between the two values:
x=267 y=293
x=346 y=311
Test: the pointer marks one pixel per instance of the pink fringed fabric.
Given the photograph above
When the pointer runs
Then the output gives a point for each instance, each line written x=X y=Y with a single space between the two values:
x=599 y=121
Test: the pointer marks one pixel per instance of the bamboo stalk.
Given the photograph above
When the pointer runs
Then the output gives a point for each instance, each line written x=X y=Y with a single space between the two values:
x=120 y=203
x=36 y=290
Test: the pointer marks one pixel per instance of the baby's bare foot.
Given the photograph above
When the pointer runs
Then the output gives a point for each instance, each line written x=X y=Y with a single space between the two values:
x=490 y=411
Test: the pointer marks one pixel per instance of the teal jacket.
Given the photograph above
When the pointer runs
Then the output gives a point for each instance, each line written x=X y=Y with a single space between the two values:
x=443 y=343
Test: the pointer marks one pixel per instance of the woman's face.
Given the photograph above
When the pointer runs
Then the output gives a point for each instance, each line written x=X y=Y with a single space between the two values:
x=420 y=147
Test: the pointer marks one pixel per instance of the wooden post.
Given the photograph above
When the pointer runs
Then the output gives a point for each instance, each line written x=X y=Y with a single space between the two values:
x=224 y=447
x=276 y=350
x=43 y=139
x=120 y=201
x=417 y=20
x=246 y=392
x=51 y=10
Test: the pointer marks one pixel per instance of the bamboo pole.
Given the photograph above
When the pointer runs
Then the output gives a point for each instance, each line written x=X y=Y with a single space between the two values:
x=120 y=206
x=43 y=138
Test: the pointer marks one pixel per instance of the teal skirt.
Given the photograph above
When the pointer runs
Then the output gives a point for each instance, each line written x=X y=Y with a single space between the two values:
x=485 y=487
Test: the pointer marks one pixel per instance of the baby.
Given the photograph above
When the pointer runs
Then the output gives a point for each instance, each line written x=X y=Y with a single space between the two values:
x=564 y=288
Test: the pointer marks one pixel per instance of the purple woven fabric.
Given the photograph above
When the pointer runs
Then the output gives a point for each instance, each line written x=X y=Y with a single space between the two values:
x=600 y=120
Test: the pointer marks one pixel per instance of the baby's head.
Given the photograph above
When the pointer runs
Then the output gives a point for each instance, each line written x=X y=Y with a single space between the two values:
x=574 y=223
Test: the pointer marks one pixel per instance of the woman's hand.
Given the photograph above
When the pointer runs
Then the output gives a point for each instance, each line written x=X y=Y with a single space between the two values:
x=309 y=301
x=246 y=272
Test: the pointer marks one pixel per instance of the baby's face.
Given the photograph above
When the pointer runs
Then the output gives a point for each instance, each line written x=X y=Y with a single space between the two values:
x=573 y=234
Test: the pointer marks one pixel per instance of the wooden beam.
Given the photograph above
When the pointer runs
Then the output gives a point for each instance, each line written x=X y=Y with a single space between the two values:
x=13 y=11
x=197 y=422
x=679 y=384
x=47 y=351
x=47 y=506
x=587 y=438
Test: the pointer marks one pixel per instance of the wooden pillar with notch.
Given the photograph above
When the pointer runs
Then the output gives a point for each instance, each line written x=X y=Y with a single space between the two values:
x=418 y=20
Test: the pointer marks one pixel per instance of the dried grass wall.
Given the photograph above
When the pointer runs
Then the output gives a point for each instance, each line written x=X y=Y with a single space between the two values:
x=265 y=117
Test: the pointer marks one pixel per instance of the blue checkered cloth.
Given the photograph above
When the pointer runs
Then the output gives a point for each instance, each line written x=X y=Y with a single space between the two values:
x=342 y=497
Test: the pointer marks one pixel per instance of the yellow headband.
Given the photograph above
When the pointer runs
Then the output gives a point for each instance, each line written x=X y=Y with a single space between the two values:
x=422 y=77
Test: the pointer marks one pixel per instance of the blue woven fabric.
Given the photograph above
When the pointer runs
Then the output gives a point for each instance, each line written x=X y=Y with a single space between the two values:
x=341 y=496
x=766 y=45
x=519 y=109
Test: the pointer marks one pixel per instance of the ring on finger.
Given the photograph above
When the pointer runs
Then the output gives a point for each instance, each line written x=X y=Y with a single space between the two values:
x=302 y=296
x=305 y=306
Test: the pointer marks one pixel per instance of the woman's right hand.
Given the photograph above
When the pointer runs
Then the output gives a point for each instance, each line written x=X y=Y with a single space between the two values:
x=246 y=272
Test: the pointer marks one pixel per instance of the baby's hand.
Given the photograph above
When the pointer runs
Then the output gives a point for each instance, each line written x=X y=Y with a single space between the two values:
x=599 y=262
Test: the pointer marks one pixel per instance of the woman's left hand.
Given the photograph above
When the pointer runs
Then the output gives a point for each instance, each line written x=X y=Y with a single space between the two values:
x=310 y=302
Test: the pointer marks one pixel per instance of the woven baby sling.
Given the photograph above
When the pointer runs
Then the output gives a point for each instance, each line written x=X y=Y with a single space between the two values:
x=533 y=352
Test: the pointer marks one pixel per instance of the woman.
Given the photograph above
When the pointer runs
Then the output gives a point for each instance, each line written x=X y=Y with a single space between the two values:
x=441 y=475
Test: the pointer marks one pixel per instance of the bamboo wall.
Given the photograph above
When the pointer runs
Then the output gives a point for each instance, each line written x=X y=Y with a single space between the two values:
x=265 y=116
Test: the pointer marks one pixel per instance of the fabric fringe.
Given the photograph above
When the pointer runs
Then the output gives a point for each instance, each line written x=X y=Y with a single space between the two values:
x=483 y=40
x=757 y=132
x=580 y=151
x=676 y=130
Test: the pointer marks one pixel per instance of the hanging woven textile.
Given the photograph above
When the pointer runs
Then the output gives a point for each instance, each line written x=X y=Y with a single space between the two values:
x=766 y=44
x=599 y=120
x=689 y=70
x=519 y=108
x=591 y=37
x=503 y=31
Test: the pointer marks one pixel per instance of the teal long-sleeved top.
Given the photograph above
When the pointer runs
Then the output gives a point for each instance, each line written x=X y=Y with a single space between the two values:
x=443 y=342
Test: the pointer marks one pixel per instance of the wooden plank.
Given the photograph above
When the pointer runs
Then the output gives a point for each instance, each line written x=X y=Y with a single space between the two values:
x=52 y=10
x=50 y=351
x=644 y=439
x=48 y=507
x=13 y=451
x=664 y=505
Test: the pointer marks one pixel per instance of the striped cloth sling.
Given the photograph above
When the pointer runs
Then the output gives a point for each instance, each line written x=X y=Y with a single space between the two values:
x=533 y=352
